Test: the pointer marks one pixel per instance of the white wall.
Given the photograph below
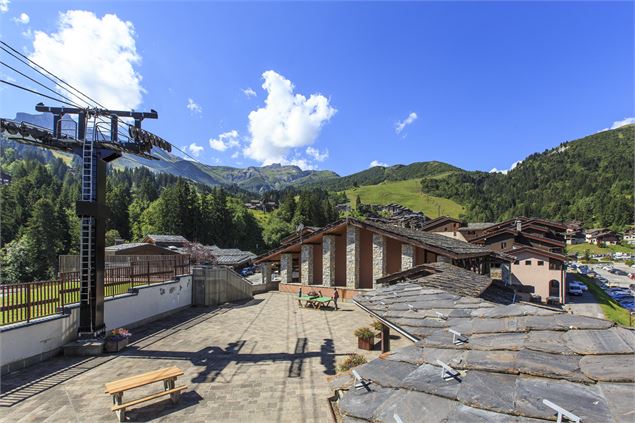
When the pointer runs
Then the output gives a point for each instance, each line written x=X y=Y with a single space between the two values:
x=27 y=343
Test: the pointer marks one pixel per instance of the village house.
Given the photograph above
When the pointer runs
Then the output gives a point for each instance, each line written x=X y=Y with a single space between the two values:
x=352 y=254
x=603 y=236
x=629 y=236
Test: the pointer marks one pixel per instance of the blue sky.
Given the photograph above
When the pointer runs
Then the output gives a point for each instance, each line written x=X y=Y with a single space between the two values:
x=478 y=85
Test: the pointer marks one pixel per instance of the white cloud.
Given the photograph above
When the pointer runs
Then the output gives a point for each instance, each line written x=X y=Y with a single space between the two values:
x=287 y=121
x=96 y=55
x=4 y=6
x=316 y=154
x=377 y=163
x=625 y=121
x=195 y=149
x=23 y=19
x=505 y=171
x=225 y=140
x=194 y=107
x=249 y=92
x=235 y=155
x=399 y=126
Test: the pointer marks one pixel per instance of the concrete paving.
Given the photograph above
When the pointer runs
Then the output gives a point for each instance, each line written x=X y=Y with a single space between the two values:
x=263 y=361
x=585 y=304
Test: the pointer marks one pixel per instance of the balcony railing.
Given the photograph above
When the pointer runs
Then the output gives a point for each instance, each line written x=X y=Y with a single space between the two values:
x=24 y=302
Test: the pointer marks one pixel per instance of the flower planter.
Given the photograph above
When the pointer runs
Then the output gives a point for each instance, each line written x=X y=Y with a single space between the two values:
x=115 y=346
x=366 y=343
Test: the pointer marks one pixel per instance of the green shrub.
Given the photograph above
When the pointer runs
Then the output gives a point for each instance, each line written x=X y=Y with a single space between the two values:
x=352 y=360
x=364 y=333
x=376 y=325
x=629 y=262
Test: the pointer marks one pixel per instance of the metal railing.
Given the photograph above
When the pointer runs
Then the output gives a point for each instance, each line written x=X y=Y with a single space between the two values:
x=24 y=302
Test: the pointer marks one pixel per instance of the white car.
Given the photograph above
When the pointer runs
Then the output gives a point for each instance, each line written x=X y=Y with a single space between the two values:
x=574 y=290
x=579 y=285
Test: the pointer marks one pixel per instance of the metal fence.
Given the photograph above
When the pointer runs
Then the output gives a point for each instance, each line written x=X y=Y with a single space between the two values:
x=70 y=262
x=27 y=301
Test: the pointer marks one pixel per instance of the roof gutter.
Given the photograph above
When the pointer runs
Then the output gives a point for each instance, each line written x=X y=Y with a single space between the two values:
x=387 y=323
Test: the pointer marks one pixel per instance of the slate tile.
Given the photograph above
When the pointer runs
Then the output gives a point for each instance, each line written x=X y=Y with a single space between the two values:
x=550 y=365
x=547 y=341
x=496 y=361
x=414 y=407
x=489 y=391
x=362 y=404
x=585 y=401
x=497 y=341
x=427 y=378
x=620 y=397
x=463 y=414
x=596 y=342
x=609 y=368
x=386 y=372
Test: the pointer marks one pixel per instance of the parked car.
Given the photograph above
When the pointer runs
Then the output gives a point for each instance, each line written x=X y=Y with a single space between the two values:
x=247 y=271
x=574 y=290
x=580 y=285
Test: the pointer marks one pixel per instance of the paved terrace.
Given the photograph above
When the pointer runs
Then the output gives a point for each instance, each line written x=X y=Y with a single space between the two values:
x=266 y=360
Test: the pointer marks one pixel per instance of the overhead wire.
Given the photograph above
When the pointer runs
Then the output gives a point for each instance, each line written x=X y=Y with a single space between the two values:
x=37 y=92
x=39 y=83
x=33 y=65
x=36 y=67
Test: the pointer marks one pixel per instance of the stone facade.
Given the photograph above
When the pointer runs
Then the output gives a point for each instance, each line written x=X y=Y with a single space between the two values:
x=328 y=260
x=352 y=257
x=265 y=271
x=306 y=264
x=407 y=256
x=286 y=268
x=379 y=257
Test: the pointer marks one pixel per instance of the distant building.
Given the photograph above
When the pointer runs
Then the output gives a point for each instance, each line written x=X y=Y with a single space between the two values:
x=394 y=214
x=629 y=236
x=352 y=255
x=606 y=237
x=166 y=241
x=138 y=249
x=266 y=206
x=232 y=257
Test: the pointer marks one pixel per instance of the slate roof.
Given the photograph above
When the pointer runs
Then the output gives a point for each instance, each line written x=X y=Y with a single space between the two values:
x=515 y=356
x=121 y=247
x=476 y=226
x=231 y=256
x=428 y=238
x=448 y=277
x=178 y=239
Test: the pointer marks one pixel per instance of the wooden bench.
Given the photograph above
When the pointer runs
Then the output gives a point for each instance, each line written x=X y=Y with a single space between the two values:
x=167 y=376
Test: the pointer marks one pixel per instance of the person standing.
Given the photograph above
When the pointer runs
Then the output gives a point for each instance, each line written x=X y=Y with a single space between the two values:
x=336 y=295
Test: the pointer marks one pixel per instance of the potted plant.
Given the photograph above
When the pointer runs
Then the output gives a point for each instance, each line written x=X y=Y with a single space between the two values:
x=117 y=340
x=365 y=338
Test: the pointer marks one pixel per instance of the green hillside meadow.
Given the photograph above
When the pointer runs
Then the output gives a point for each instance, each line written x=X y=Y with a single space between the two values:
x=407 y=193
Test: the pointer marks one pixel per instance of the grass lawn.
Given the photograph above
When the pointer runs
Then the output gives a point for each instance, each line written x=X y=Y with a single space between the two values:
x=611 y=308
x=596 y=249
x=407 y=193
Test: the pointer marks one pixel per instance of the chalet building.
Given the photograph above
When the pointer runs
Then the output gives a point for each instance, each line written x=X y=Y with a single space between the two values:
x=445 y=225
x=629 y=236
x=574 y=233
x=231 y=257
x=138 y=249
x=542 y=271
x=604 y=237
x=535 y=255
x=473 y=230
x=394 y=214
x=352 y=254
x=166 y=241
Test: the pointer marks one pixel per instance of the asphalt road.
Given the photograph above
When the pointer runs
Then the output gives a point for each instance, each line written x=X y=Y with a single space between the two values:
x=585 y=304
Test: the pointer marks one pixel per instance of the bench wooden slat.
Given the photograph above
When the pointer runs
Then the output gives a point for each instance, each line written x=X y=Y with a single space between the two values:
x=148 y=398
x=143 y=379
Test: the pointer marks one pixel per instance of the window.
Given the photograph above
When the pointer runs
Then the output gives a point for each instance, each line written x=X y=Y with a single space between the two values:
x=527 y=262
x=554 y=265
x=516 y=262
x=541 y=263
x=503 y=244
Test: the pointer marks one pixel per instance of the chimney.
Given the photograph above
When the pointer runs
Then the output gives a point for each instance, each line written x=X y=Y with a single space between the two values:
x=519 y=225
